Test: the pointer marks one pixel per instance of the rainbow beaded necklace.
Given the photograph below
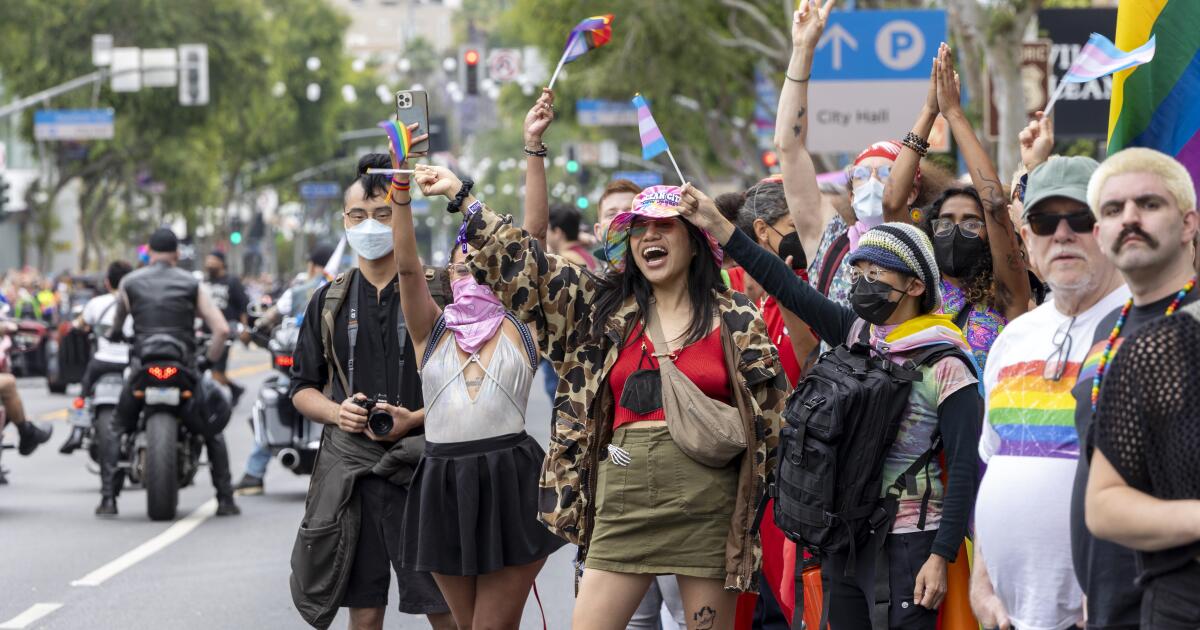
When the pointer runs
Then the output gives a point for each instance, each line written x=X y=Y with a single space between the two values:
x=1116 y=332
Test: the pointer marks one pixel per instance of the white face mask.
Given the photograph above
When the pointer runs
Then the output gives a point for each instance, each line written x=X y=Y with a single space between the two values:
x=370 y=239
x=868 y=202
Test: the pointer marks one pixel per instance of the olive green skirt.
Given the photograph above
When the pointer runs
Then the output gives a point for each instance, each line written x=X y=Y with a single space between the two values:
x=664 y=513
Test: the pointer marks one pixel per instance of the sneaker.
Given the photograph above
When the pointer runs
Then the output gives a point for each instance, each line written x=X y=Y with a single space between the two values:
x=236 y=391
x=226 y=507
x=32 y=436
x=249 y=486
x=74 y=441
x=107 y=507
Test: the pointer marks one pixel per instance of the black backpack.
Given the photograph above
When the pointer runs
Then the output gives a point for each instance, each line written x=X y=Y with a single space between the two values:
x=840 y=423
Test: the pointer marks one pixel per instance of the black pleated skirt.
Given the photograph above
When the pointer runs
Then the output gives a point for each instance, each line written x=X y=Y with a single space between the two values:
x=472 y=507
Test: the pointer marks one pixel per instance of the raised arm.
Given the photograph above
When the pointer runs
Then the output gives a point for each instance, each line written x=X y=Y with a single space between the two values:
x=791 y=127
x=1008 y=266
x=420 y=311
x=898 y=191
x=537 y=199
x=1037 y=141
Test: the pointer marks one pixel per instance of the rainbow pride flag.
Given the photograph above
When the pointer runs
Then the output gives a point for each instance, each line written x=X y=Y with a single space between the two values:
x=589 y=34
x=399 y=137
x=1033 y=416
x=1155 y=105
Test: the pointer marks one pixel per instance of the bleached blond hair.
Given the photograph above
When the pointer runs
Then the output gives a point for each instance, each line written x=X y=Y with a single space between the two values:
x=1175 y=176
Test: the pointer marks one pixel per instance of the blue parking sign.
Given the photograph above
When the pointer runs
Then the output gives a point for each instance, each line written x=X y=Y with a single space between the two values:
x=881 y=45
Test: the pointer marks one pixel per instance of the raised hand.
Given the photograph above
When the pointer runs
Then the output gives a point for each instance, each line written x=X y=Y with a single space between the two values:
x=1037 y=141
x=701 y=211
x=809 y=23
x=437 y=180
x=392 y=151
x=538 y=120
x=931 y=97
x=948 y=97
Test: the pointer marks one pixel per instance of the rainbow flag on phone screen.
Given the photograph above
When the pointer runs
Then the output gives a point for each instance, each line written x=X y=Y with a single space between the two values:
x=1155 y=104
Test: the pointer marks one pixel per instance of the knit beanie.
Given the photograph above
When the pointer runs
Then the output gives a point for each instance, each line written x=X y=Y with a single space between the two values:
x=903 y=248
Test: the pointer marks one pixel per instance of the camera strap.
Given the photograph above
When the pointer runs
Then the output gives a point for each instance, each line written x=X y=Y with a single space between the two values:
x=352 y=332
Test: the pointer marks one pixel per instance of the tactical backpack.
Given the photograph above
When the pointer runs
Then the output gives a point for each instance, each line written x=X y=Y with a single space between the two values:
x=840 y=424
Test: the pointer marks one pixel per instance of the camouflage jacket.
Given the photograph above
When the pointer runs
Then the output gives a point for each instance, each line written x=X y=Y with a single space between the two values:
x=557 y=297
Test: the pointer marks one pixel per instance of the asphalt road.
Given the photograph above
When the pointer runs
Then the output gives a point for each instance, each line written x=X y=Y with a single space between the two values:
x=61 y=567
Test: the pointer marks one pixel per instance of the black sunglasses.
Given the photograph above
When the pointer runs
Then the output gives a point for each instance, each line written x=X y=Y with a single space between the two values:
x=1080 y=221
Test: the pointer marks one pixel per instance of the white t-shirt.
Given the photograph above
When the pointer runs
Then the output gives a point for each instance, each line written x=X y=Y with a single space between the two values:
x=99 y=313
x=1022 y=513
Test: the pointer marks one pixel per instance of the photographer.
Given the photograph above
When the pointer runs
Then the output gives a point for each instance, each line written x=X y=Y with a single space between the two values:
x=354 y=340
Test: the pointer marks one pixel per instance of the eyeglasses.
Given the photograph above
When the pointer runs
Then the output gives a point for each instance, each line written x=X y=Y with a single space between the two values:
x=969 y=227
x=872 y=275
x=863 y=173
x=641 y=224
x=1056 y=363
x=1080 y=222
x=358 y=215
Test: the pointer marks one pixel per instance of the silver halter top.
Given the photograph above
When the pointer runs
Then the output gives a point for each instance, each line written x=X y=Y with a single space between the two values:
x=499 y=406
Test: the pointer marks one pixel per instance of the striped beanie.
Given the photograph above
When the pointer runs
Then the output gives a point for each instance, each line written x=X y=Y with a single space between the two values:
x=906 y=249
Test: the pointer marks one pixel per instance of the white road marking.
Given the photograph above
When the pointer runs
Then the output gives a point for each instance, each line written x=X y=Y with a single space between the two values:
x=178 y=530
x=32 y=614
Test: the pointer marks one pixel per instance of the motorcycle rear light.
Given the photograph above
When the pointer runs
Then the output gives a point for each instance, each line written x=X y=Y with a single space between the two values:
x=284 y=360
x=162 y=373
x=77 y=403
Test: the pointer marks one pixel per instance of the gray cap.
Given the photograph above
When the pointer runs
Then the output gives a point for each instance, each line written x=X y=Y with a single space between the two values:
x=1059 y=177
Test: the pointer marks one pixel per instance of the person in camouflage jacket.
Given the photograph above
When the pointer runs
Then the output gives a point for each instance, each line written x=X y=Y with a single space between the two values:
x=558 y=298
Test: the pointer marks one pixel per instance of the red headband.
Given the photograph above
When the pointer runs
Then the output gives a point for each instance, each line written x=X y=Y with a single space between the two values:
x=888 y=149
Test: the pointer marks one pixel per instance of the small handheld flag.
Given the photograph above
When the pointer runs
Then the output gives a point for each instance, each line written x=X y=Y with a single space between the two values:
x=653 y=142
x=593 y=32
x=1100 y=57
x=399 y=137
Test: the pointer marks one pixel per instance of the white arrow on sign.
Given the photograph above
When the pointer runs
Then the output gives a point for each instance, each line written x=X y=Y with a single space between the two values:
x=838 y=35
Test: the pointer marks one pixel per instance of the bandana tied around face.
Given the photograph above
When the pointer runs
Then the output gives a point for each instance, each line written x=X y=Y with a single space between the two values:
x=475 y=315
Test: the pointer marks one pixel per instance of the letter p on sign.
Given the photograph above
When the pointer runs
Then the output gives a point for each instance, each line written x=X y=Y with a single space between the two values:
x=900 y=45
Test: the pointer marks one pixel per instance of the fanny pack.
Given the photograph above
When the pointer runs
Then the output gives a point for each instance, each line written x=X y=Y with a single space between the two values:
x=707 y=430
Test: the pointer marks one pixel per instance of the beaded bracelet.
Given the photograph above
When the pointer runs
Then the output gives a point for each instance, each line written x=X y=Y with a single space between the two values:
x=916 y=143
x=540 y=152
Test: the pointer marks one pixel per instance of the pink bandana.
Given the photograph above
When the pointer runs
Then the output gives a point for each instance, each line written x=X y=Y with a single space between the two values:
x=474 y=316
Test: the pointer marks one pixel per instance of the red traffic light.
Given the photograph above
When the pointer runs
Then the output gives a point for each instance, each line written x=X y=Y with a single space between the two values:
x=769 y=159
x=471 y=57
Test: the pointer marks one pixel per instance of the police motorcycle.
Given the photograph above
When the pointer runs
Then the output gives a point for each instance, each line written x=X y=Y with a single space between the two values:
x=181 y=404
x=292 y=438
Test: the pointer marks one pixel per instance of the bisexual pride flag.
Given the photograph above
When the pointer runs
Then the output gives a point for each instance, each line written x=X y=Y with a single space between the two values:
x=1155 y=104
x=653 y=142
x=593 y=32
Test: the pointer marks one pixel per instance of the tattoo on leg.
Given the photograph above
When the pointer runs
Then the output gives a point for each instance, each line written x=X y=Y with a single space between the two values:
x=705 y=618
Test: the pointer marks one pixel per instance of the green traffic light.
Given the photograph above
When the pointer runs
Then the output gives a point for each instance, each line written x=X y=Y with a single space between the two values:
x=572 y=166
x=235 y=238
x=582 y=202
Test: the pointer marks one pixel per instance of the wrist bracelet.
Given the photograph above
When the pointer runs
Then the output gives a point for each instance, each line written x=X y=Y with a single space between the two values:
x=542 y=151
x=455 y=204
x=916 y=143
x=804 y=80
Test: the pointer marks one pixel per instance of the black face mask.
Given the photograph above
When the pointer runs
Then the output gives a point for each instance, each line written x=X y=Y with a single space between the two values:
x=213 y=274
x=789 y=245
x=870 y=300
x=957 y=253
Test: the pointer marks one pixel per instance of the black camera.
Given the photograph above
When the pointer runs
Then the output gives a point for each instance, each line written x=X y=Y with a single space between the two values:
x=379 y=421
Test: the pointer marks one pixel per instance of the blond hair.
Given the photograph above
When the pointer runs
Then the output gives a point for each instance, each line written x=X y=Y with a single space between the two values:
x=1175 y=176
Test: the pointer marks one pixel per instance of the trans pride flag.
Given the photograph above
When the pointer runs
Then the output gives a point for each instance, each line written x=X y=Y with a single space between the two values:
x=1155 y=104
x=1100 y=57
x=653 y=142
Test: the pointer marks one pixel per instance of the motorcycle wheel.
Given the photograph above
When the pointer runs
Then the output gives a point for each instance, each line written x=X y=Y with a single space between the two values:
x=162 y=469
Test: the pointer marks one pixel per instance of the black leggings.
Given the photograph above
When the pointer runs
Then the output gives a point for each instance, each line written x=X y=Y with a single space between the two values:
x=849 y=606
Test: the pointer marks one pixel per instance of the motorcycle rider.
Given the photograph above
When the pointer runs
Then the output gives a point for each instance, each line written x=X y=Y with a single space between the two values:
x=230 y=297
x=31 y=435
x=290 y=305
x=99 y=317
x=163 y=299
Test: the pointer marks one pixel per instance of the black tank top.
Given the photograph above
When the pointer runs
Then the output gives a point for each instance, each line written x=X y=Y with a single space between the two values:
x=162 y=299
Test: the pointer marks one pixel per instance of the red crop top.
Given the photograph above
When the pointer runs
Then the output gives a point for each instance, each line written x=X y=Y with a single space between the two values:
x=703 y=362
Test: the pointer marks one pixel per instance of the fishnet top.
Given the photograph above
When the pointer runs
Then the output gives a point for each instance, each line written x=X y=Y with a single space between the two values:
x=1148 y=417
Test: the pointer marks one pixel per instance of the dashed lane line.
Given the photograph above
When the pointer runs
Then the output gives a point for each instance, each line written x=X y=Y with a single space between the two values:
x=31 y=614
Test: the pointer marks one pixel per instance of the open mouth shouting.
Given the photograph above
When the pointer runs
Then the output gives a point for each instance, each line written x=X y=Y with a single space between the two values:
x=655 y=256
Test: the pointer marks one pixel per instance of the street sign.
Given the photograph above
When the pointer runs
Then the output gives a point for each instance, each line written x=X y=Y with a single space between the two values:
x=1035 y=83
x=1082 y=108
x=870 y=75
x=504 y=64
x=599 y=113
x=73 y=124
x=193 y=74
x=102 y=46
x=126 y=69
x=320 y=190
x=158 y=67
x=644 y=179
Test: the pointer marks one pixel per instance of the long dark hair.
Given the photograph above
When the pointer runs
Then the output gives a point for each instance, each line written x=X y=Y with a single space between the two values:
x=703 y=280
x=979 y=285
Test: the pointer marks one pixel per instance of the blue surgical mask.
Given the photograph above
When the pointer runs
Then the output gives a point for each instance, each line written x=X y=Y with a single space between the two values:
x=370 y=239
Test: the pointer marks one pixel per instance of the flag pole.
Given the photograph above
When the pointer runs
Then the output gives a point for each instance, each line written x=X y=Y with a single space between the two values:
x=1054 y=99
x=678 y=172
x=562 y=60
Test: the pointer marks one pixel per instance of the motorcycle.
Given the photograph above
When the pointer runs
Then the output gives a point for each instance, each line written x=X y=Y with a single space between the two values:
x=292 y=438
x=28 y=354
x=94 y=410
x=163 y=452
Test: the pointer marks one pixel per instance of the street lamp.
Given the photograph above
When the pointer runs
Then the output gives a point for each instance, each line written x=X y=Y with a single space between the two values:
x=313 y=92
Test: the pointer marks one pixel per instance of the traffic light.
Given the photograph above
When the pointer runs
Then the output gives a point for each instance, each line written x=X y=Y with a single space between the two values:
x=3 y=195
x=572 y=164
x=235 y=238
x=471 y=70
x=770 y=159
x=581 y=202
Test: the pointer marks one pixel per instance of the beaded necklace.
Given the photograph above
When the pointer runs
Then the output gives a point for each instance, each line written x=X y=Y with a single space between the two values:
x=1106 y=356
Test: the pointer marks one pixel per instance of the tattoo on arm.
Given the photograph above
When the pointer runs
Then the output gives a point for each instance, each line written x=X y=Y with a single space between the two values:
x=705 y=618
x=796 y=130
x=802 y=112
